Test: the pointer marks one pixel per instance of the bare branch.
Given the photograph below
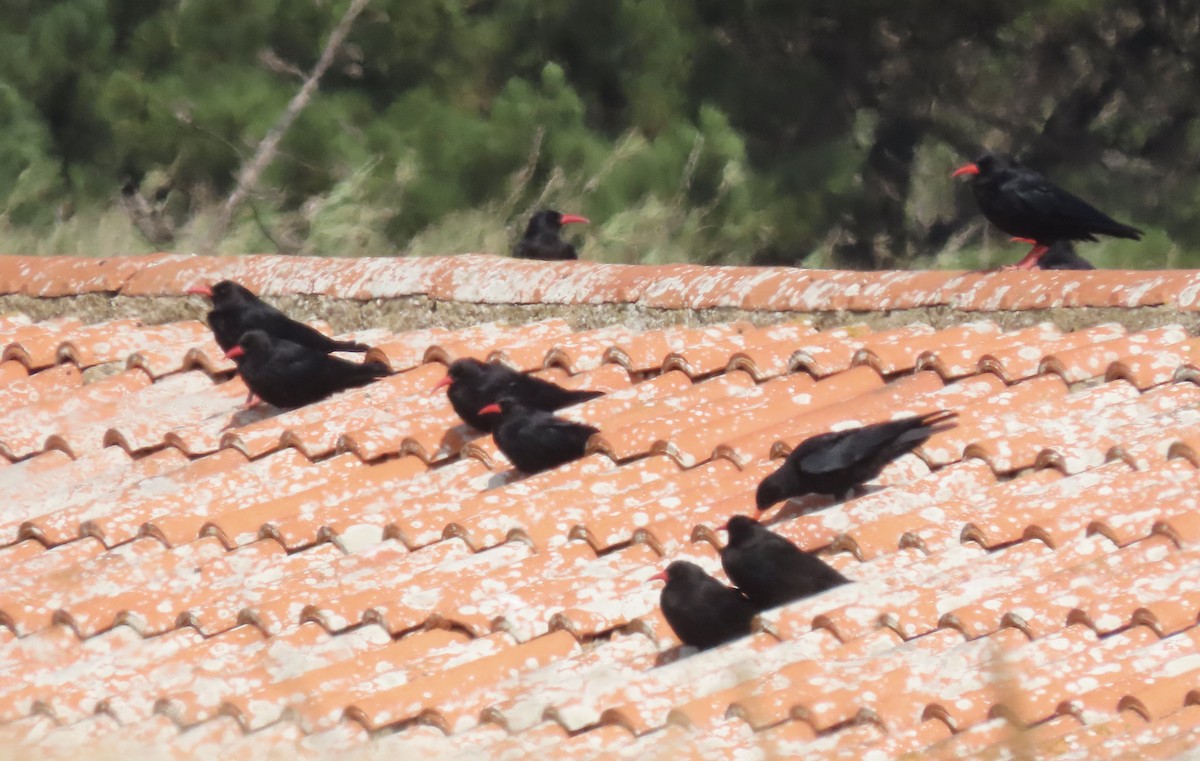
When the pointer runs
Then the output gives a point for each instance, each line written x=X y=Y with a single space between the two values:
x=248 y=176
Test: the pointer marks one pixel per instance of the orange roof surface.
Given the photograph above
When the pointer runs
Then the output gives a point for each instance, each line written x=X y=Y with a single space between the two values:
x=366 y=577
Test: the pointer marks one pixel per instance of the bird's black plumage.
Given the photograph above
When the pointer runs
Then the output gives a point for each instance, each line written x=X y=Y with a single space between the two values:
x=541 y=239
x=702 y=611
x=833 y=463
x=1023 y=203
x=769 y=569
x=1062 y=256
x=236 y=311
x=287 y=374
x=473 y=385
x=534 y=440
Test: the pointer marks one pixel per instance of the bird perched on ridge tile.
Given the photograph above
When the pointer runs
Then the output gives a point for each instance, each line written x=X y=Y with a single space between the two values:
x=236 y=311
x=287 y=374
x=833 y=463
x=474 y=385
x=769 y=569
x=542 y=238
x=701 y=610
x=1023 y=203
x=534 y=440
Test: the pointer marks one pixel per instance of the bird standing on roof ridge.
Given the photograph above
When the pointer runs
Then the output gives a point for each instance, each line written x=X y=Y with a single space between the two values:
x=1023 y=203
x=769 y=569
x=833 y=463
x=534 y=440
x=287 y=374
x=701 y=610
x=236 y=310
x=542 y=237
x=474 y=385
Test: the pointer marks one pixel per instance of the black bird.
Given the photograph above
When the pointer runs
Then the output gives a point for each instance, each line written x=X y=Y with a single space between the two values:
x=534 y=440
x=236 y=310
x=541 y=239
x=833 y=463
x=287 y=374
x=474 y=385
x=702 y=611
x=769 y=569
x=1025 y=204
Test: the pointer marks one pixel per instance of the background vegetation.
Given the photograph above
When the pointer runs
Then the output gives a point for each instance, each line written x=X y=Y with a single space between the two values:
x=819 y=133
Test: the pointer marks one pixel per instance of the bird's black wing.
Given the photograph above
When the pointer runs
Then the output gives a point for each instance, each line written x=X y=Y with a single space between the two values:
x=295 y=374
x=840 y=450
x=335 y=373
x=544 y=395
x=558 y=431
x=279 y=325
x=832 y=452
x=1039 y=197
x=537 y=440
x=797 y=565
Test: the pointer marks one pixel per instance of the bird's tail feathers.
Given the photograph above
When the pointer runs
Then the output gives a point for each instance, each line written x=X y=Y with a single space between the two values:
x=936 y=422
x=353 y=346
x=1128 y=232
x=583 y=395
x=375 y=369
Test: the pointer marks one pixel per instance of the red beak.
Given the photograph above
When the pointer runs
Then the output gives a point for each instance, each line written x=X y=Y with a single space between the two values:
x=966 y=169
x=723 y=527
x=200 y=290
x=1030 y=241
x=570 y=219
x=442 y=383
x=235 y=352
x=490 y=409
x=660 y=576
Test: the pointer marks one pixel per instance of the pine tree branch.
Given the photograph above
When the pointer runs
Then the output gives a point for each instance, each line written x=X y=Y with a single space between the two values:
x=248 y=176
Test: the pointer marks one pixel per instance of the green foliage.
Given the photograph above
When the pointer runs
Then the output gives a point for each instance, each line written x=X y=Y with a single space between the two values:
x=35 y=176
x=761 y=131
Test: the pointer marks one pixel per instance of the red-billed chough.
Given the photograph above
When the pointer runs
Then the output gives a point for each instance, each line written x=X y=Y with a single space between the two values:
x=702 y=611
x=474 y=385
x=769 y=569
x=833 y=463
x=236 y=310
x=287 y=374
x=534 y=440
x=1025 y=204
x=541 y=239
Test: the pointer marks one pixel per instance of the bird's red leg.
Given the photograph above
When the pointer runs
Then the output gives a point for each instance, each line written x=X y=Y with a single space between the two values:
x=251 y=399
x=1032 y=258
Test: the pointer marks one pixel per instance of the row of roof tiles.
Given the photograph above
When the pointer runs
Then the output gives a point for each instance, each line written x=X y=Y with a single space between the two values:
x=716 y=390
x=478 y=278
x=365 y=577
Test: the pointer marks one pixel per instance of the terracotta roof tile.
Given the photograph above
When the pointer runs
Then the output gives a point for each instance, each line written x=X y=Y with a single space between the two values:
x=367 y=577
x=478 y=342
x=962 y=359
x=899 y=356
x=648 y=351
x=11 y=370
x=35 y=346
x=1014 y=363
x=99 y=477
